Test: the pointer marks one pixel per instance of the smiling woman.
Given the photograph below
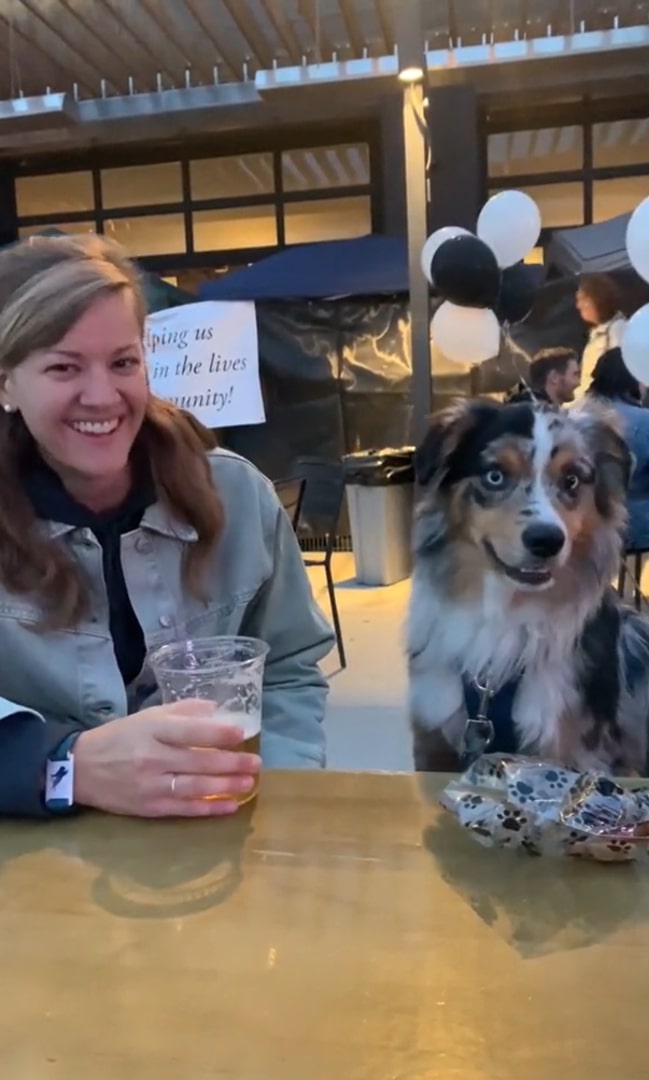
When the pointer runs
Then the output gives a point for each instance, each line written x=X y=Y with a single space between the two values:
x=120 y=531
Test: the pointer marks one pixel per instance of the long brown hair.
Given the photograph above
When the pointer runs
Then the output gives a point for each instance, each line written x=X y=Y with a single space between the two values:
x=46 y=285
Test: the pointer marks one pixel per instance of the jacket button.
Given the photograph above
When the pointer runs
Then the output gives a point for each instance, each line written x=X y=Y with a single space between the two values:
x=166 y=621
x=143 y=545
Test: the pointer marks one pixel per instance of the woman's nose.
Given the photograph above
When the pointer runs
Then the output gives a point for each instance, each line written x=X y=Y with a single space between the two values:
x=99 y=388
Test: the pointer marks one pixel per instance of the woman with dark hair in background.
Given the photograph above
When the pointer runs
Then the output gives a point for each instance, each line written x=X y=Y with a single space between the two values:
x=598 y=303
x=613 y=383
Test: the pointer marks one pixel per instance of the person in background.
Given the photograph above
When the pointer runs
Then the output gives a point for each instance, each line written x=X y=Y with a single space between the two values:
x=614 y=384
x=122 y=530
x=554 y=376
x=598 y=302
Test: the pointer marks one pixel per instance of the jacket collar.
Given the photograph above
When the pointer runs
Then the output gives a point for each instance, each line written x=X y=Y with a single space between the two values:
x=157 y=519
x=62 y=514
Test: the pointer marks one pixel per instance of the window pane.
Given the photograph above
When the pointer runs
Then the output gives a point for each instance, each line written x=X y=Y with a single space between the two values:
x=230 y=177
x=624 y=142
x=68 y=227
x=142 y=185
x=326 y=167
x=613 y=197
x=327 y=219
x=536 y=257
x=561 y=205
x=160 y=234
x=61 y=193
x=523 y=153
x=243 y=227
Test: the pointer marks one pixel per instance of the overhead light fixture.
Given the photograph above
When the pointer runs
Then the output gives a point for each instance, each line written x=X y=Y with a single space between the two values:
x=411 y=74
x=410 y=43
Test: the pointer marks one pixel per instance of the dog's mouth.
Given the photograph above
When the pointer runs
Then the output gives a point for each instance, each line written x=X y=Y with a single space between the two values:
x=534 y=576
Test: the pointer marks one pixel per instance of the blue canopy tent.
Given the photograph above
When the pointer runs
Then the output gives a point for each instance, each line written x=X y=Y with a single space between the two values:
x=369 y=266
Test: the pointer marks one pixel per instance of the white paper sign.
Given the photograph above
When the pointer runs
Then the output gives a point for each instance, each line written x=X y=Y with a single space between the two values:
x=205 y=358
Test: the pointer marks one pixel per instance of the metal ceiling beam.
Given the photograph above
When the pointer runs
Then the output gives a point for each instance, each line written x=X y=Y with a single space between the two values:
x=170 y=114
x=252 y=36
x=352 y=26
x=32 y=29
x=11 y=64
x=147 y=33
x=387 y=32
x=453 y=22
x=284 y=29
x=310 y=12
x=86 y=27
x=544 y=60
x=179 y=25
x=232 y=63
x=29 y=114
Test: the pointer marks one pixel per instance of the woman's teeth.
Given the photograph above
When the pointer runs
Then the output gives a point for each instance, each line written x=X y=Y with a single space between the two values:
x=103 y=427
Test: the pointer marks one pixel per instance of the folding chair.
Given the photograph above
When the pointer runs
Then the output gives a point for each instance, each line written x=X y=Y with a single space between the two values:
x=290 y=493
x=322 y=502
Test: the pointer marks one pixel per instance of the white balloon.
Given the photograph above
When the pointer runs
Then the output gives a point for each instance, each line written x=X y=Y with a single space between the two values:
x=434 y=242
x=466 y=335
x=637 y=239
x=510 y=223
x=635 y=345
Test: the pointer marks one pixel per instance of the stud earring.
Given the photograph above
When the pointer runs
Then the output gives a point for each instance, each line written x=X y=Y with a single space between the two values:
x=7 y=407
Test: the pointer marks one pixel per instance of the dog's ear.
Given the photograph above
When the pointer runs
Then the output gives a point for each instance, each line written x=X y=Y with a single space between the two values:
x=614 y=465
x=442 y=439
x=614 y=462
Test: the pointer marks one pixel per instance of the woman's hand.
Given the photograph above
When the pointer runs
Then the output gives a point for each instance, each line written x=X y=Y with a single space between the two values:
x=169 y=761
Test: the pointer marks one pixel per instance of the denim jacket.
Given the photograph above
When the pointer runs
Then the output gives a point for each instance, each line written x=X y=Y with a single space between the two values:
x=55 y=683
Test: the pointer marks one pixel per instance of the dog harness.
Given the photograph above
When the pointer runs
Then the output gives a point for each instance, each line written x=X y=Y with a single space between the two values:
x=490 y=724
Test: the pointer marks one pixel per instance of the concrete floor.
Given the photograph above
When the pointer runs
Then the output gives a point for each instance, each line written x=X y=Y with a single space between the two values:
x=366 y=721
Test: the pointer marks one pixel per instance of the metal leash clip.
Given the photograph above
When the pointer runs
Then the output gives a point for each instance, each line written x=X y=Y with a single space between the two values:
x=479 y=732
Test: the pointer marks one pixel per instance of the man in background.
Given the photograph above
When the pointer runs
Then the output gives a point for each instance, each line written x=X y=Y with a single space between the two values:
x=553 y=377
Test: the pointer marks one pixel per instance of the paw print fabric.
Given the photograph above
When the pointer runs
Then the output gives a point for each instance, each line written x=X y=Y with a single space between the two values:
x=544 y=809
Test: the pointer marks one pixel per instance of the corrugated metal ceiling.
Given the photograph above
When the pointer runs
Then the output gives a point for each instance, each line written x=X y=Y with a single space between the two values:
x=122 y=45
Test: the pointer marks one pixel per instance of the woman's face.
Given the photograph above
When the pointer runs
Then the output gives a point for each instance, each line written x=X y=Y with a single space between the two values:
x=586 y=308
x=84 y=399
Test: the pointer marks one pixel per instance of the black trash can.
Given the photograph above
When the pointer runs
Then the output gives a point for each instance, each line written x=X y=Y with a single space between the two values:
x=380 y=486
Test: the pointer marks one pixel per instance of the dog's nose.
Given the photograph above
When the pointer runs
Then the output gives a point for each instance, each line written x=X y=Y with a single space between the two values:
x=543 y=540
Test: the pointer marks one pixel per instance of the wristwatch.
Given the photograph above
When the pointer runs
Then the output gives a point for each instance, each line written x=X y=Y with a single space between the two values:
x=59 y=777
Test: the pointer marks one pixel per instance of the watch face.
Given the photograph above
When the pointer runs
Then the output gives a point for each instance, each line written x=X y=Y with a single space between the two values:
x=59 y=778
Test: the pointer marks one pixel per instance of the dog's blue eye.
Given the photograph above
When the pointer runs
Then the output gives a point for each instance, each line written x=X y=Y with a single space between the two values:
x=494 y=478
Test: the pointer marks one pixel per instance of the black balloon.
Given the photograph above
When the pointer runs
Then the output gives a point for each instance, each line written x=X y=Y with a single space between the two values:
x=465 y=271
x=517 y=293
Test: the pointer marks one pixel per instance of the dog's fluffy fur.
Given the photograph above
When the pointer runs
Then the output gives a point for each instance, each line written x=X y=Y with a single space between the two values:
x=486 y=607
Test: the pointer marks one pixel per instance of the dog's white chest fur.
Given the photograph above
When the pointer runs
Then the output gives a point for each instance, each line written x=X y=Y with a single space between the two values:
x=492 y=641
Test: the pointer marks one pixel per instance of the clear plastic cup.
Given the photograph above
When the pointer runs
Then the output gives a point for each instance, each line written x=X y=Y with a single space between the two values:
x=228 y=671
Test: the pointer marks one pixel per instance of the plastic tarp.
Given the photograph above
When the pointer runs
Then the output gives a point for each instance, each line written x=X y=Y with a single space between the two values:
x=336 y=378
x=591 y=249
x=369 y=266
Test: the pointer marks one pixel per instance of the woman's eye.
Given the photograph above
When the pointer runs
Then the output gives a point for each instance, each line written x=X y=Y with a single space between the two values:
x=61 y=369
x=494 y=478
x=571 y=483
x=127 y=362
